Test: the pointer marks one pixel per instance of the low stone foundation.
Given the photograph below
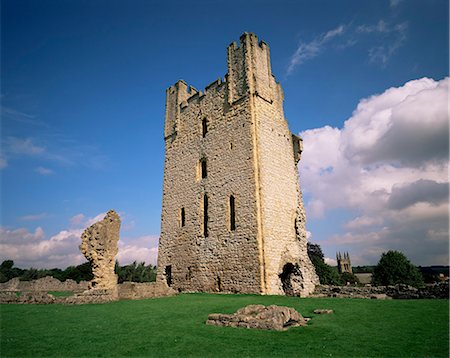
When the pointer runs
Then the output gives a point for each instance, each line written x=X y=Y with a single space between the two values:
x=439 y=290
x=136 y=291
x=124 y=291
x=47 y=283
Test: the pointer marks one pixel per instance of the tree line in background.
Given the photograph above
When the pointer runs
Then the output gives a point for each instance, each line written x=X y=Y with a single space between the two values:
x=136 y=272
x=328 y=275
x=393 y=268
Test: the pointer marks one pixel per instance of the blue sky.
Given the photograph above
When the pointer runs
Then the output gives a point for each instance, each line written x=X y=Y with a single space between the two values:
x=83 y=95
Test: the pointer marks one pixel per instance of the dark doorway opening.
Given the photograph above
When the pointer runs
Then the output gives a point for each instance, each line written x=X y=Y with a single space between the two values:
x=219 y=284
x=289 y=270
x=168 y=274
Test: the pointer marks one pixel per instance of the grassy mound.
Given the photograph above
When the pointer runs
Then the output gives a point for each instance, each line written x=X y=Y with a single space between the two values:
x=175 y=326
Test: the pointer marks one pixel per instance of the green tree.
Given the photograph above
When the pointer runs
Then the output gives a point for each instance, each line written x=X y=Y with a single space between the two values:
x=30 y=275
x=327 y=275
x=135 y=272
x=394 y=268
x=6 y=270
x=78 y=273
x=349 y=277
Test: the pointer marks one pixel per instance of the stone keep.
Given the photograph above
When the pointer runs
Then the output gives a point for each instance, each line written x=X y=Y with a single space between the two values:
x=232 y=213
x=99 y=246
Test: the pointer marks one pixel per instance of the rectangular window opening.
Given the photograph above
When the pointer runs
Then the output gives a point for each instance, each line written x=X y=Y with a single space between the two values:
x=205 y=215
x=232 y=214
x=204 y=127
x=182 y=217
x=203 y=168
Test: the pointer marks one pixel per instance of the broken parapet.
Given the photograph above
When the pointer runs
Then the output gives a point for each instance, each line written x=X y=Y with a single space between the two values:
x=99 y=246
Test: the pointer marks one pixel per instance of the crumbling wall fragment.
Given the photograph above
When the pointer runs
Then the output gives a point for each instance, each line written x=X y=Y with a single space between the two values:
x=99 y=246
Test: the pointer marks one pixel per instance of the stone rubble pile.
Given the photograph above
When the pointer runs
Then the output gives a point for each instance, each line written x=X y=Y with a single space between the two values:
x=400 y=291
x=273 y=317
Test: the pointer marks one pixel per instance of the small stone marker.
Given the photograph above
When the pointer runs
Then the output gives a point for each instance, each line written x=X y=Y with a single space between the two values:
x=323 y=311
x=273 y=317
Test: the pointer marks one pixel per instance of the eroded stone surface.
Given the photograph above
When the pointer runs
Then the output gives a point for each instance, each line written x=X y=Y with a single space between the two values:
x=99 y=246
x=273 y=317
x=233 y=218
x=47 y=283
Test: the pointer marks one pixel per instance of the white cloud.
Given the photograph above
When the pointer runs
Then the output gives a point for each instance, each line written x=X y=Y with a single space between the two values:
x=35 y=249
x=92 y=221
x=23 y=146
x=34 y=217
x=44 y=171
x=141 y=249
x=308 y=50
x=77 y=220
x=388 y=165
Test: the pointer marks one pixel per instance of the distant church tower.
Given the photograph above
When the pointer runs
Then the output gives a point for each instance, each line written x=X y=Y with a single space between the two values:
x=344 y=263
x=232 y=213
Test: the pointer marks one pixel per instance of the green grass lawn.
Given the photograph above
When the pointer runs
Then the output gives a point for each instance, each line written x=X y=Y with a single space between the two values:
x=61 y=293
x=175 y=326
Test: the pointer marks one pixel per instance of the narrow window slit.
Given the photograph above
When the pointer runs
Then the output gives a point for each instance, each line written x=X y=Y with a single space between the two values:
x=204 y=127
x=205 y=215
x=182 y=217
x=232 y=214
x=203 y=167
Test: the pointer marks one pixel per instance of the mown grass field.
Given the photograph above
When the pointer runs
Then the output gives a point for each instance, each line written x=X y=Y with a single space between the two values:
x=174 y=327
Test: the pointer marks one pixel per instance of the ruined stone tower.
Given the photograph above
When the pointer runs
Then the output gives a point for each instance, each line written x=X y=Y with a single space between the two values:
x=343 y=262
x=232 y=213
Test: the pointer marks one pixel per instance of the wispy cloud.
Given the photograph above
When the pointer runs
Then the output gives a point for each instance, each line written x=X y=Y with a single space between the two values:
x=65 y=153
x=308 y=50
x=11 y=114
x=23 y=146
x=34 y=217
x=394 y=3
x=44 y=171
x=382 y=38
x=394 y=37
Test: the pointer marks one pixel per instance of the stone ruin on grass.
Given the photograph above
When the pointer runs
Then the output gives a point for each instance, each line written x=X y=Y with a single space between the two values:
x=278 y=318
x=99 y=246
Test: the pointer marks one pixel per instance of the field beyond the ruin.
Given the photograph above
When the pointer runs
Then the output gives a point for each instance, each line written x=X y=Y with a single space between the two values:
x=175 y=326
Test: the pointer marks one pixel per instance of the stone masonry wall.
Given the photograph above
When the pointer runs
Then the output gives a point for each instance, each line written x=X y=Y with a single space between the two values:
x=47 y=283
x=249 y=154
x=280 y=201
x=225 y=260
